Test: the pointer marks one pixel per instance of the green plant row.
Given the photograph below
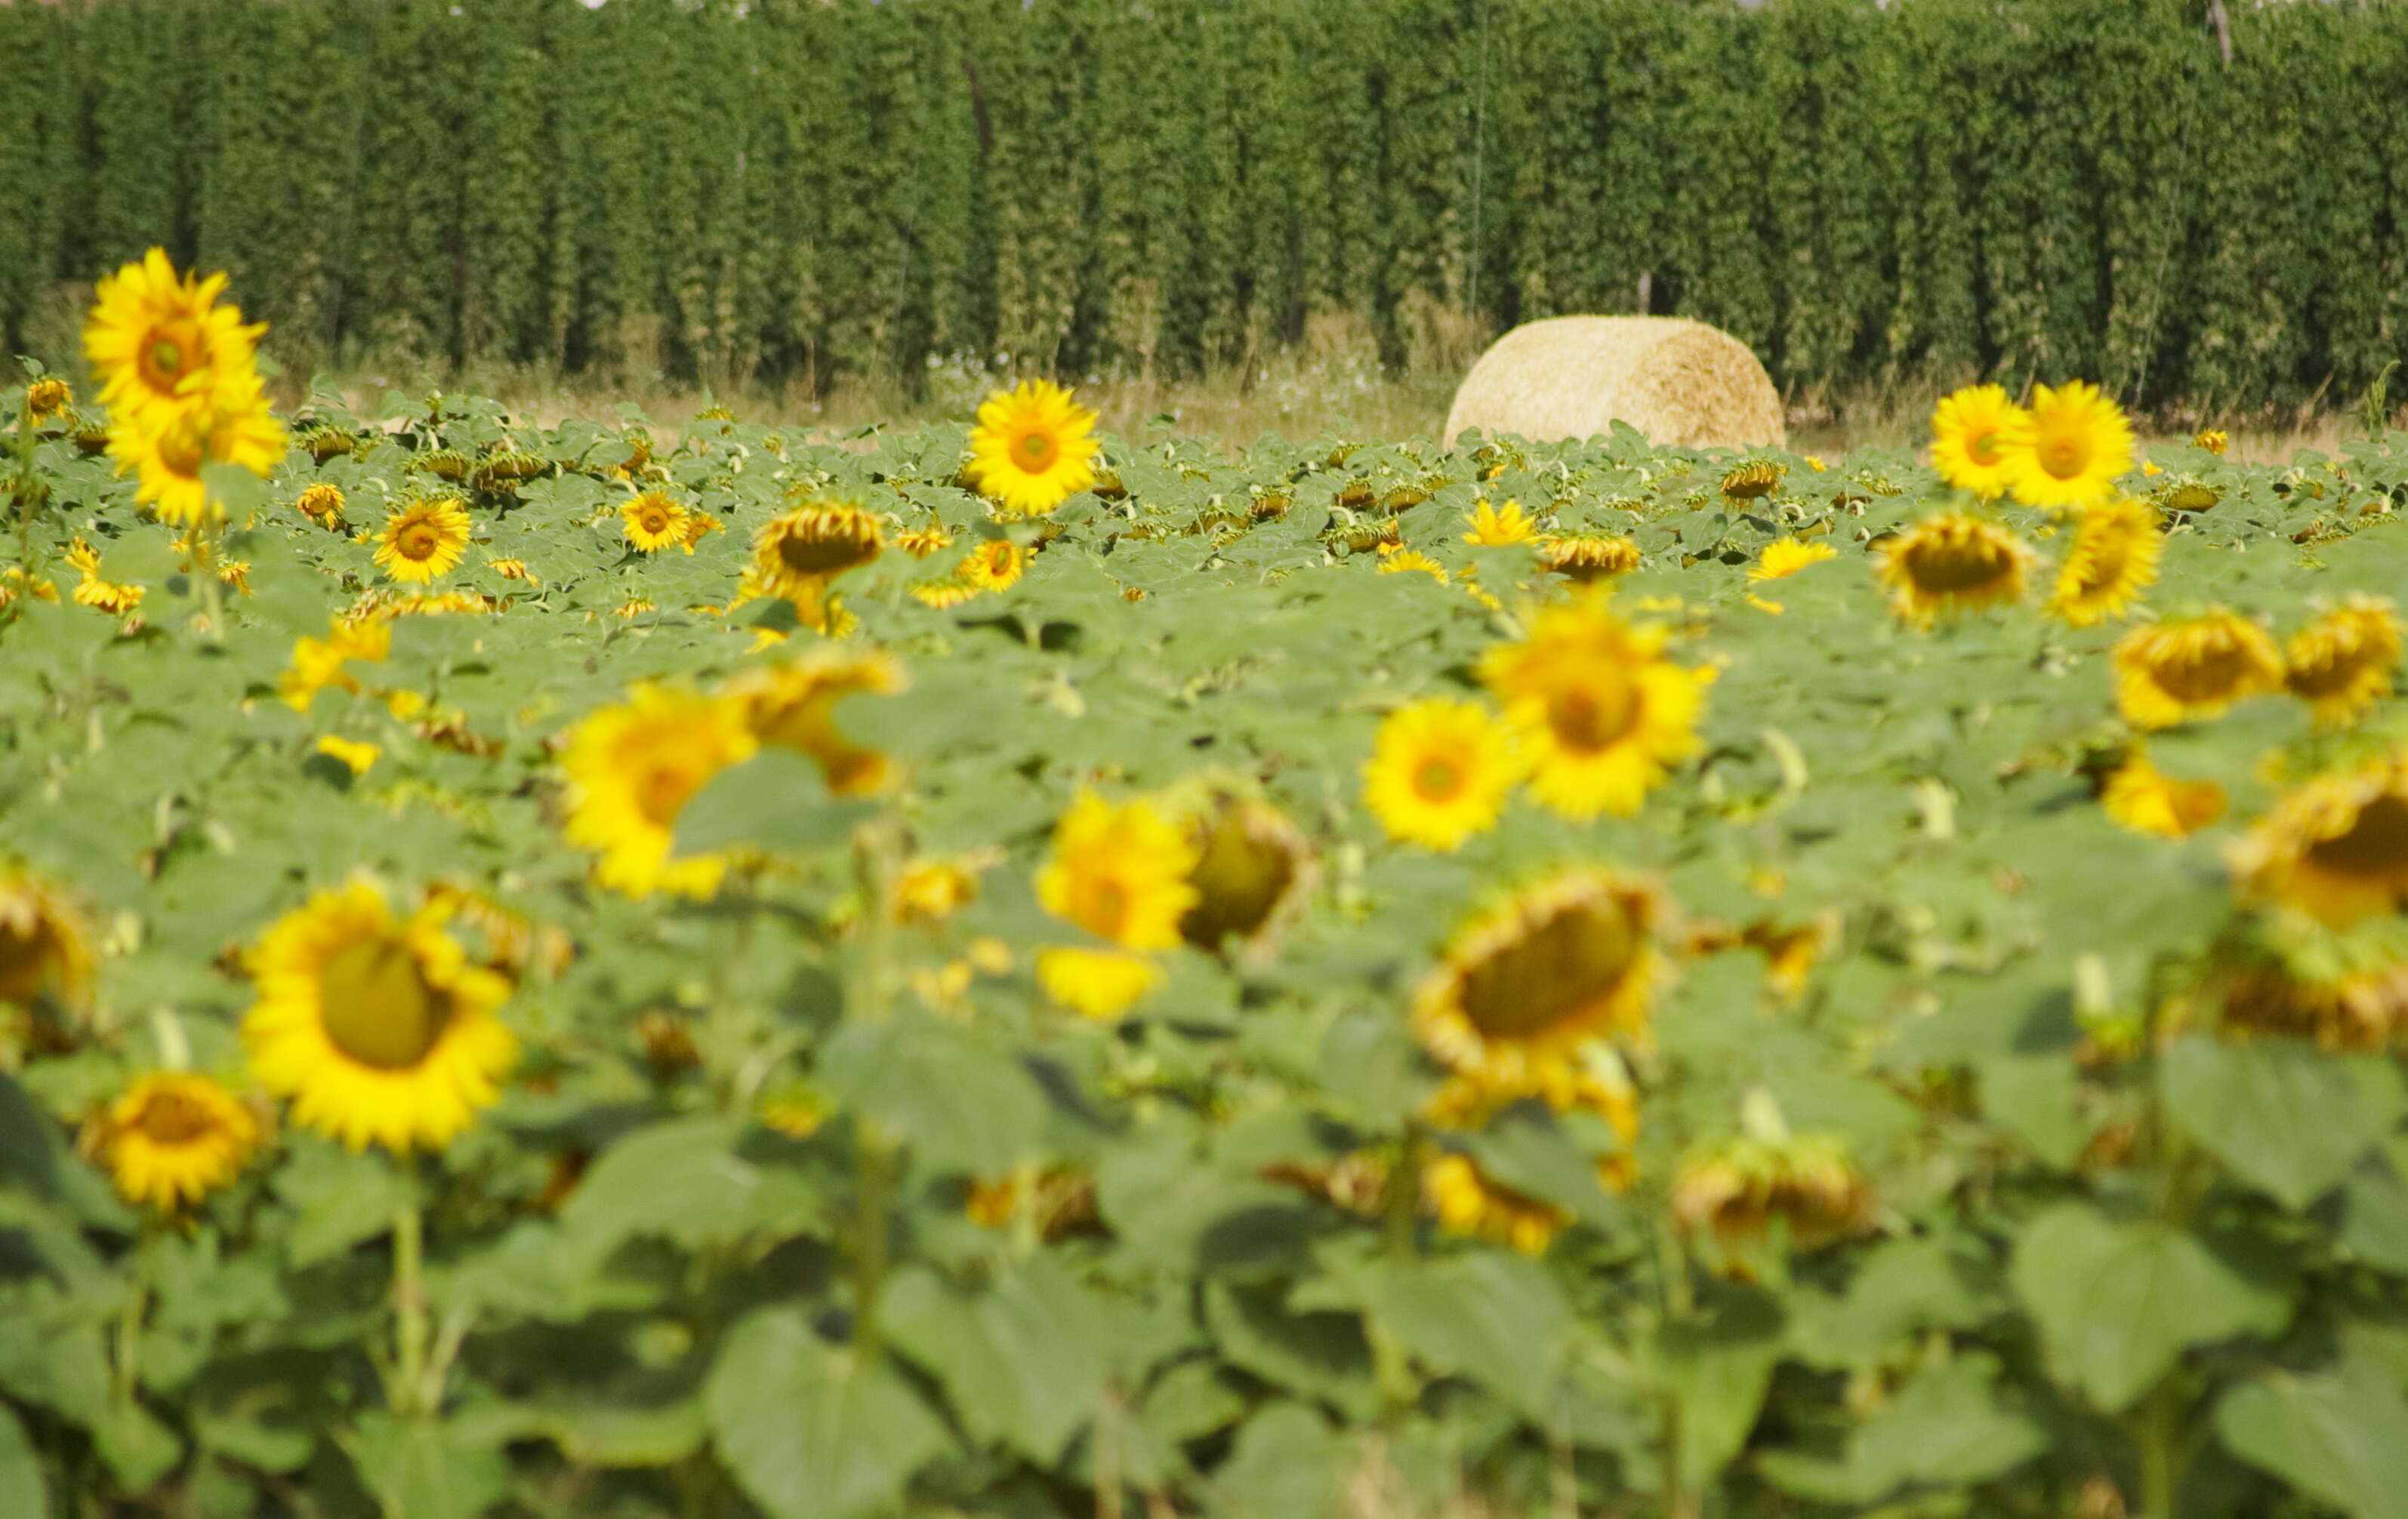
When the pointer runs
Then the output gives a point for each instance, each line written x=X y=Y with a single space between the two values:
x=792 y=188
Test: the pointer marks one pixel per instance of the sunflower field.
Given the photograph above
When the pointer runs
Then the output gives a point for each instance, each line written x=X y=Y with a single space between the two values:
x=578 y=973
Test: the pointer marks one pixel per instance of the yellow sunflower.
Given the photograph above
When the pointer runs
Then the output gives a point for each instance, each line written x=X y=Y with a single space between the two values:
x=631 y=771
x=1786 y=557
x=1971 y=439
x=424 y=540
x=2336 y=848
x=2190 y=668
x=931 y=891
x=1495 y=526
x=2069 y=449
x=944 y=594
x=994 y=566
x=2290 y=978
x=167 y=451
x=1252 y=864
x=1469 y=1202
x=513 y=570
x=797 y=555
x=321 y=504
x=793 y=706
x=2113 y=560
x=923 y=542
x=164 y=348
x=1601 y=713
x=1595 y=1080
x=48 y=396
x=1033 y=449
x=95 y=592
x=1120 y=873
x=652 y=521
x=1413 y=561
x=2140 y=798
x=1439 y=773
x=2213 y=441
x=45 y=945
x=1732 y=1191
x=1754 y=480
x=378 y=1029
x=1587 y=557
x=2340 y=665
x=1951 y=563
x=171 y=1139
x=353 y=755
x=317 y=663
x=1523 y=987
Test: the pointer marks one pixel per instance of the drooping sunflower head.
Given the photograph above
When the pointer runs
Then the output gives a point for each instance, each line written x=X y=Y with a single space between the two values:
x=2335 y=847
x=2113 y=560
x=424 y=540
x=1601 y=715
x=1252 y=866
x=1469 y=1202
x=1521 y=987
x=326 y=441
x=1951 y=563
x=2073 y=446
x=378 y=1028
x=2285 y=975
x=2139 y=797
x=652 y=521
x=1439 y=772
x=45 y=944
x=321 y=504
x=995 y=565
x=47 y=398
x=631 y=771
x=1785 y=557
x=172 y=1139
x=2188 y=495
x=1754 y=480
x=163 y=346
x=793 y=706
x=1033 y=449
x=796 y=554
x=2185 y=669
x=1120 y=872
x=95 y=589
x=2342 y=664
x=1735 y=1191
x=1973 y=438
x=1494 y=527
x=1587 y=557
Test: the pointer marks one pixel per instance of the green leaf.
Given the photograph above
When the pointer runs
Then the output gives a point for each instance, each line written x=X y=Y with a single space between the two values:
x=1718 y=1365
x=2118 y=1302
x=2032 y=1096
x=1944 y=1428
x=683 y=1179
x=776 y=800
x=810 y=1431
x=21 y=1490
x=338 y=1199
x=2374 y=1206
x=1496 y=1318
x=962 y=1106
x=2341 y=1436
x=420 y=1469
x=1287 y=1463
x=2284 y=1115
x=1022 y=1360
x=1314 y=1355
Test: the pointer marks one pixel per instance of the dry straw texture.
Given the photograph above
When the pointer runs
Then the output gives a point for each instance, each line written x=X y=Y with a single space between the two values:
x=1680 y=382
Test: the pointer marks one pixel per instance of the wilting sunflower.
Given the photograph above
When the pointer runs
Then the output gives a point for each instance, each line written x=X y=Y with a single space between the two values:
x=793 y=706
x=2139 y=797
x=2336 y=848
x=321 y=504
x=1033 y=449
x=994 y=566
x=1251 y=865
x=95 y=591
x=47 y=398
x=2070 y=449
x=1120 y=873
x=171 y=1139
x=379 y=1029
x=799 y=555
x=2113 y=560
x=1601 y=713
x=1754 y=480
x=1495 y=526
x=1468 y=1201
x=1439 y=773
x=2340 y=665
x=1587 y=557
x=1973 y=434
x=1951 y=563
x=2190 y=668
x=168 y=451
x=2290 y=977
x=652 y=521
x=1785 y=557
x=424 y=540
x=45 y=946
x=164 y=348
x=1733 y=1191
x=1521 y=987
x=631 y=771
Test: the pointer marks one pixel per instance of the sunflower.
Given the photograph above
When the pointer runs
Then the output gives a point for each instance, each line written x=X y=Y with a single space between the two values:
x=2336 y=848
x=2187 y=669
x=1601 y=713
x=1120 y=873
x=321 y=504
x=793 y=706
x=652 y=521
x=994 y=566
x=47 y=398
x=1587 y=557
x=1751 y=481
x=92 y=591
x=1439 y=772
x=944 y=594
x=379 y=1029
x=317 y=663
x=170 y=1140
x=1521 y=987
x=1786 y=557
x=164 y=348
x=1732 y=1191
x=2069 y=449
x=513 y=570
x=2292 y=978
x=931 y=891
x=2140 y=798
x=923 y=542
x=1033 y=449
x=1468 y=1201
x=1251 y=863
x=631 y=771
x=1971 y=439
x=1595 y=1081
x=2113 y=558
x=799 y=555
x=45 y=945
x=2188 y=495
x=2340 y=665
x=1493 y=527
x=353 y=754
x=2213 y=441
x=1951 y=563
x=1413 y=561
x=168 y=451
x=424 y=540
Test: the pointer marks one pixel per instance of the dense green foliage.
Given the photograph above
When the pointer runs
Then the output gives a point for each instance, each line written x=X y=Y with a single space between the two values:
x=2113 y=1250
x=2038 y=188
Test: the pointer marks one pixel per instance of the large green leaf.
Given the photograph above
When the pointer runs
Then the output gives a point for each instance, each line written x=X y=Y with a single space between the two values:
x=959 y=1105
x=1288 y=1462
x=2284 y=1115
x=684 y=1179
x=1496 y=1318
x=1947 y=1427
x=810 y=1430
x=22 y=1492
x=1023 y=1358
x=424 y=1469
x=776 y=800
x=1716 y=1365
x=2341 y=1436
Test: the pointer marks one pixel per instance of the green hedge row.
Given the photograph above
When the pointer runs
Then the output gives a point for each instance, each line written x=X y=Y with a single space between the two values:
x=793 y=188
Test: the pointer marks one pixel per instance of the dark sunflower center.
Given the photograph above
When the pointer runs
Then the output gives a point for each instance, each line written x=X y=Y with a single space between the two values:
x=823 y=552
x=2212 y=673
x=1955 y=567
x=655 y=521
x=1035 y=450
x=2376 y=844
x=1556 y=971
x=2104 y=568
x=379 y=1008
x=1594 y=716
x=173 y=350
x=173 y=1118
x=419 y=541
x=25 y=961
x=1241 y=877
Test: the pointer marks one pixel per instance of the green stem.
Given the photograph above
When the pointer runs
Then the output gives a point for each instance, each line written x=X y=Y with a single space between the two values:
x=407 y=1393
x=129 y=1334
x=875 y=1153
x=2159 y=1439
x=1403 y=1202
x=1679 y=1303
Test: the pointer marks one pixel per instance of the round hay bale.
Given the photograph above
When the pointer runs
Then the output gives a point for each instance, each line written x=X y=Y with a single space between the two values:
x=1680 y=382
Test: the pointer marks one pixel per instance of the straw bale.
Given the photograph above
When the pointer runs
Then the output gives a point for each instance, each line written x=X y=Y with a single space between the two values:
x=1680 y=382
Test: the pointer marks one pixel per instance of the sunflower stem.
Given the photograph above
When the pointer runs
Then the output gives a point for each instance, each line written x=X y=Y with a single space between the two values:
x=1404 y=1195
x=875 y=1154
x=407 y=1393
x=129 y=1325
